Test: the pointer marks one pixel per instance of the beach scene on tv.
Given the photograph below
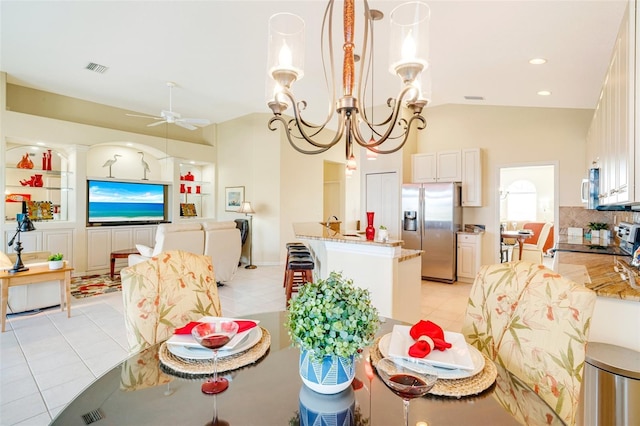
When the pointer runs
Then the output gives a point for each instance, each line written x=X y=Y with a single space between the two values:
x=125 y=202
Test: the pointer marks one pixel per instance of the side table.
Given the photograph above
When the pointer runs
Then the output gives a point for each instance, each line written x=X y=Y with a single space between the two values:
x=120 y=254
x=37 y=274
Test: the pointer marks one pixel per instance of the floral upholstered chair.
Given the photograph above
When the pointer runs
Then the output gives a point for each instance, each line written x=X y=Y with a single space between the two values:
x=166 y=292
x=534 y=323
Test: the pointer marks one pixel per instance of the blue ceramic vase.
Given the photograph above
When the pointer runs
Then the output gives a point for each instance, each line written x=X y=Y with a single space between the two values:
x=331 y=374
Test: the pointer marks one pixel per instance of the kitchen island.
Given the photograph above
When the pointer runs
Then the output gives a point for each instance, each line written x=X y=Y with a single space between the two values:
x=389 y=272
x=616 y=316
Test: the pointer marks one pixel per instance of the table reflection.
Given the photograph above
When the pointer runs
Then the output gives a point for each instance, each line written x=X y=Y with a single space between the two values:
x=270 y=392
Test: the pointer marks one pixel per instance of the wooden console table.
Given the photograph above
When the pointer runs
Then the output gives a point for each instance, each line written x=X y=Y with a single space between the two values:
x=37 y=274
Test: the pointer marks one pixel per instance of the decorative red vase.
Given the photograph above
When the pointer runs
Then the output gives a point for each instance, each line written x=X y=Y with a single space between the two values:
x=370 y=232
x=37 y=181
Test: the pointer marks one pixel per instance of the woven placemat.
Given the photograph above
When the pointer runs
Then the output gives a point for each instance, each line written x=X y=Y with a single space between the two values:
x=194 y=368
x=453 y=387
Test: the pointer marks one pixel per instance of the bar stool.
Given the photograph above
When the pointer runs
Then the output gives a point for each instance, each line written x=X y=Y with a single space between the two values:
x=298 y=249
x=299 y=271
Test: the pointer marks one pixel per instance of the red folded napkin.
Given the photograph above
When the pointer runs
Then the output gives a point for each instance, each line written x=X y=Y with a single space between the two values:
x=242 y=326
x=429 y=336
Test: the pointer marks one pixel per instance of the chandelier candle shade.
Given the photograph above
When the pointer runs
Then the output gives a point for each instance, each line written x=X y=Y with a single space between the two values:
x=408 y=60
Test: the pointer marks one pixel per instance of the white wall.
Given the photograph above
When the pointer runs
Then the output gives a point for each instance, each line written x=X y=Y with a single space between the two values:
x=511 y=136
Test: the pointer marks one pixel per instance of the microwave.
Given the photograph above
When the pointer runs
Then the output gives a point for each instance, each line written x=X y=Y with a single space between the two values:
x=590 y=190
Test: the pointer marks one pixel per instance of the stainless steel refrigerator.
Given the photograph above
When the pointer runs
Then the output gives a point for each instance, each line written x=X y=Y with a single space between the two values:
x=431 y=216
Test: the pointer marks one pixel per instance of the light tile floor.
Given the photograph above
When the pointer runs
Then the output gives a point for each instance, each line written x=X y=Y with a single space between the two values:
x=47 y=358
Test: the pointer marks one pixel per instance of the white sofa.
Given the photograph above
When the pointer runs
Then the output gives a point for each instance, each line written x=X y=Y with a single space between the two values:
x=219 y=240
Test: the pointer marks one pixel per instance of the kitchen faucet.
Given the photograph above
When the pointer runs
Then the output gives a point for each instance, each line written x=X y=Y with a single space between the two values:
x=329 y=220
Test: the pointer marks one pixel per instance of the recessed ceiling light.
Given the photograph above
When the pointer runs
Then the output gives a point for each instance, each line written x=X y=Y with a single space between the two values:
x=474 y=98
x=544 y=93
x=537 y=61
x=40 y=143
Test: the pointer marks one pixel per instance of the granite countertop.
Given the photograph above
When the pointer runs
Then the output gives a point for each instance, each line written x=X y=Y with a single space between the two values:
x=597 y=272
x=582 y=245
x=316 y=231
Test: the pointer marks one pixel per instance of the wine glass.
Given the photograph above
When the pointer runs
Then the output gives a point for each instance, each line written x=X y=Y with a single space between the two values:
x=214 y=335
x=407 y=378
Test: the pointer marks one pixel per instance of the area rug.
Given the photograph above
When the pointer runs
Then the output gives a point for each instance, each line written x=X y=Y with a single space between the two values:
x=93 y=285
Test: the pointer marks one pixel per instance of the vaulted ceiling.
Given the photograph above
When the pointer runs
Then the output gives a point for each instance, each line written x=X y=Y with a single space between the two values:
x=216 y=52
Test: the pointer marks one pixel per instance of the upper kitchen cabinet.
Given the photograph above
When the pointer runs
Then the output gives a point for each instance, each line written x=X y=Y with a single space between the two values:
x=611 y=136
x=471 y=177
x=441 y=166
x=452 y=166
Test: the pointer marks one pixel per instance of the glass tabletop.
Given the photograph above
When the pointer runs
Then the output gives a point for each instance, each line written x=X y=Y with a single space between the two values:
x=270 y=392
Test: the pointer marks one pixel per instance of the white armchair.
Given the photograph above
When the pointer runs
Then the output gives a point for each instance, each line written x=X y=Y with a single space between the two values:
x=172 y=236
x=533 y=252
x=223 y=242
x=219 y=240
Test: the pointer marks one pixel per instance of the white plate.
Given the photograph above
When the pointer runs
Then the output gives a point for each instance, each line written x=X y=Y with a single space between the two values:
x=252 y=336
x=188 y=339
x=457 y=356
x=443 y=373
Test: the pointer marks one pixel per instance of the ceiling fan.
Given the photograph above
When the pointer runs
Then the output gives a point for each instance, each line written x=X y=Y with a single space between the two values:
x=172 y=117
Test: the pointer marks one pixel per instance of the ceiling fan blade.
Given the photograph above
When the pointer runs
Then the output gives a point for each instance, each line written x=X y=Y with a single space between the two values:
x=143 y=116
x=157 y=123
x=182 y=123
x=196 y=121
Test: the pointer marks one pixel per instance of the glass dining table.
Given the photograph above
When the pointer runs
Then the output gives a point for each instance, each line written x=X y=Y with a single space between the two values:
x=270 y=392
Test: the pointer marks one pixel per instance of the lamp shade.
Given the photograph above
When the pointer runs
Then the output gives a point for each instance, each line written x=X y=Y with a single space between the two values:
x=25 y=224
x=246 y=208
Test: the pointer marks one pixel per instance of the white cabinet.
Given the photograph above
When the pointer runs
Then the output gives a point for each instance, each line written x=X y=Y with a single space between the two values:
x=51 y=240
x=102 y=241
x=469 y=251
x=471 y=177
x=441 y=166
x=610 y=140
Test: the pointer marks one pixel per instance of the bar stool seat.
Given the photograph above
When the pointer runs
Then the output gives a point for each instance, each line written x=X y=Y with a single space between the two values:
x=298 y=272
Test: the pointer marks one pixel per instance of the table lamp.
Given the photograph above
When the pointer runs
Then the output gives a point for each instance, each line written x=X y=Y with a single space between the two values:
x=24 y=225
x=246 y=208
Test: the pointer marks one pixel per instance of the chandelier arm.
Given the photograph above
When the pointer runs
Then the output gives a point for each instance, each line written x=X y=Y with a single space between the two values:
x=405 y=136
x=391 y=120
x=301 y=124
x=320 y=150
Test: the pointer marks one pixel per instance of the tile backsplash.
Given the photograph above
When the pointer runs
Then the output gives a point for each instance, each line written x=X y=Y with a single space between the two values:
x=579 y=217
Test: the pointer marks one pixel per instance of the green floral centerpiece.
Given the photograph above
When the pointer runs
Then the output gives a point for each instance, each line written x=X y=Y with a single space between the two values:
x=332 y=317
x=331 y=321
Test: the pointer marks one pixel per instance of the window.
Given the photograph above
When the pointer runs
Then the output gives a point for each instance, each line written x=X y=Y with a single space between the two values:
x=521 y=201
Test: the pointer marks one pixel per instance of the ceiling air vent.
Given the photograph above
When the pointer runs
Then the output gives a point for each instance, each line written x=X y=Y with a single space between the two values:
x=474 y=98
x=101 y=69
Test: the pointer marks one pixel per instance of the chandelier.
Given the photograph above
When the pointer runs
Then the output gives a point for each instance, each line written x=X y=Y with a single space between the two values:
x=408 y=59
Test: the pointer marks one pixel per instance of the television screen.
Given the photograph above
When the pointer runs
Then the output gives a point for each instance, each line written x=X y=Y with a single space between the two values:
x=123 y=203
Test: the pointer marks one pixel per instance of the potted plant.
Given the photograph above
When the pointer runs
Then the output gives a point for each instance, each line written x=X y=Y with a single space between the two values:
x=383 y=234
x=331 y=321
x=55 y=261
x=598 y=229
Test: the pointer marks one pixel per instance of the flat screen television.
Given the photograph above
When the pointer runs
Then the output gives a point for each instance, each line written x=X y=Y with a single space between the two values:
x=112 y=202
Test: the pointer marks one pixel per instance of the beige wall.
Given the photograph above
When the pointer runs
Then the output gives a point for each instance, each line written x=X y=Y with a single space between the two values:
x=285 y=186
x=511 y=136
